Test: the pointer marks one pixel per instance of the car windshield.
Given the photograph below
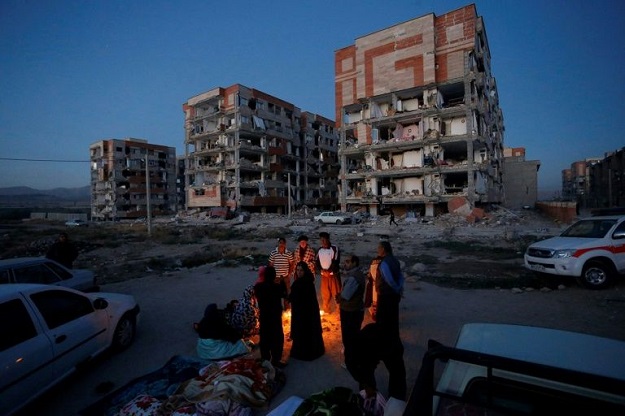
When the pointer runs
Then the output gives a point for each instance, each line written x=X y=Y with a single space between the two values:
x=592 y=228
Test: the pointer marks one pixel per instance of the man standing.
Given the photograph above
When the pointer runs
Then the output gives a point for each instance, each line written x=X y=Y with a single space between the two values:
x=351 y=304
x=380 y=341
x=392 y=220
x=304 y=253
x=63 y=251
x=282 y=260
x=328 y=261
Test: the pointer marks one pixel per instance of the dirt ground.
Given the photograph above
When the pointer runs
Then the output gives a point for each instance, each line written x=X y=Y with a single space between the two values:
x=456 y=273
x=445 y=250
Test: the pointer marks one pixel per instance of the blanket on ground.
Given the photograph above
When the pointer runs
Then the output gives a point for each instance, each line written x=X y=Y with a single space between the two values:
x=188 y=381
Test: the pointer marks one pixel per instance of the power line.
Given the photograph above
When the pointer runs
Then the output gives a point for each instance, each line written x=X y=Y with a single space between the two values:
x=45 y=160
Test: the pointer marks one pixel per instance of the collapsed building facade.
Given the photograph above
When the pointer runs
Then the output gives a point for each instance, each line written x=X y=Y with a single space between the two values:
x=419 y=116
x=248 y=150
x=123 y=186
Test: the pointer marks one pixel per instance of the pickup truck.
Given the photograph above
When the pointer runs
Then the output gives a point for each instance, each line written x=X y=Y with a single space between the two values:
x=591 y=250
x=503 y=369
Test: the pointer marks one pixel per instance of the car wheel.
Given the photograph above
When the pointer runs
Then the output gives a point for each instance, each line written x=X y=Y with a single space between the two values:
x=124 y=333
x=338 y=222
x=596 y=275
x=320 y=221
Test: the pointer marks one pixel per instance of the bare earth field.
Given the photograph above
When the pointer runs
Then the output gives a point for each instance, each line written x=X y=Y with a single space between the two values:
x=456 y=273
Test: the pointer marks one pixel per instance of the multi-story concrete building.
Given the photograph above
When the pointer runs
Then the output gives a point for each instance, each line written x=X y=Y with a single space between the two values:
x=244 y=148
x=124 y=187
x=576 y=181
x=419 y=116
x=521 y=179
x=596 y=182
x=607 y=181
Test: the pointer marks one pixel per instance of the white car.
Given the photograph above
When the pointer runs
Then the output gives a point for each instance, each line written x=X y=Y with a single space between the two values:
x=503 y=369
x=51 y=332
x=46 y=271
x=331 y=217
x=76 y=223
x=592 y=250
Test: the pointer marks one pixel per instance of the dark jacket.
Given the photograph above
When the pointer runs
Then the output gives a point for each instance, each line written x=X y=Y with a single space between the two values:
x=351 y=297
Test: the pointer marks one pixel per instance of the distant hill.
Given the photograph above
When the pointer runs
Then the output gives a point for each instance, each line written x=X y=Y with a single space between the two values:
x=26 y=196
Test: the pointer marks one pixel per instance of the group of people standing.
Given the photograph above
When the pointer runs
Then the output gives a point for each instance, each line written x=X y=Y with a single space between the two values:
x=287 y=283
x=341 y=288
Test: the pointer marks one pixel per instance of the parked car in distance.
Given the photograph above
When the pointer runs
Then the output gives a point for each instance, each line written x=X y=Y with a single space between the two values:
x=51 y=332
x=591 y=250
x=503 y=369
x=76 y=223
x=46 y=271
x=331 y=217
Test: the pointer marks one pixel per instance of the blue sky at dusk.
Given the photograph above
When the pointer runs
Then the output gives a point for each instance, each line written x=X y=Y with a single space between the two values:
x=75 y=72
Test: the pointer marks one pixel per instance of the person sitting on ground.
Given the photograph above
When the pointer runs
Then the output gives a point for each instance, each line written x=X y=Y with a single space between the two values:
x=218 y=340
x=243 y=313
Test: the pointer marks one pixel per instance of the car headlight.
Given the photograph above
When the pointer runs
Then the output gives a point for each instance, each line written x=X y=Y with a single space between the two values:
x=562 y=254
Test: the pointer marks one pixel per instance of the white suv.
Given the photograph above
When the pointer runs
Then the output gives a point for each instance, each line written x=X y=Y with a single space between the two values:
x=592 y=250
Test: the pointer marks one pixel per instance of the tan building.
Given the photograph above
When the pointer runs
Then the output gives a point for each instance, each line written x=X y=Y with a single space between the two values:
x=419 y=115
x=122 y=187
x=244 y=148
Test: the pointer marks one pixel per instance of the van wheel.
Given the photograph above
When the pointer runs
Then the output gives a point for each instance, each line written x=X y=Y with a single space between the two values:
x=124 y=333
x=338 y=222
x=596 y=275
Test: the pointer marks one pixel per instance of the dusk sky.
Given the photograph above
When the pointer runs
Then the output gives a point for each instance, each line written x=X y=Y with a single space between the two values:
x=75 y=72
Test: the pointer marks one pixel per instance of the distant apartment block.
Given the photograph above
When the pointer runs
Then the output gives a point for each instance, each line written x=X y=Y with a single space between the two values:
x=596 y=182
x=520 y=180
x=576 y=180
x=130 y=177
x=244 y=148
x=418 y=111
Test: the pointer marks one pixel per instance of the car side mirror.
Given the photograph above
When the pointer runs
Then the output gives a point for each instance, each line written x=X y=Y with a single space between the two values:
x=100 y=303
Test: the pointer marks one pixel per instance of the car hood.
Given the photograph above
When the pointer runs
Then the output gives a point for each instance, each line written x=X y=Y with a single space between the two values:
x=560 y=243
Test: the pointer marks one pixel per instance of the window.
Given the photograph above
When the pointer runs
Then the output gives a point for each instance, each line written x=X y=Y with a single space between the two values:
x=19 y=328
x=5 y=276
x=58 y=270
x=60 y=307
x=37 y=273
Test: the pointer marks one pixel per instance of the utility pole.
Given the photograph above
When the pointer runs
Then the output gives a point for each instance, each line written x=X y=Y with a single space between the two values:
x=147 y=194
x=289 y=193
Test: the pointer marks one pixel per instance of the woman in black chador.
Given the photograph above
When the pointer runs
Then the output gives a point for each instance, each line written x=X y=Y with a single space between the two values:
x=305 y=320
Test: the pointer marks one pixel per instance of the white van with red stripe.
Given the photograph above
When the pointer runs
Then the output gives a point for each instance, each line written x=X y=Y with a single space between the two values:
x=592 y=250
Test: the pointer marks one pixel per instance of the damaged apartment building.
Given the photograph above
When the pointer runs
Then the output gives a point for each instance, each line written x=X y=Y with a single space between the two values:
x=245 y=148
x=419 y=116
x=131 y=178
